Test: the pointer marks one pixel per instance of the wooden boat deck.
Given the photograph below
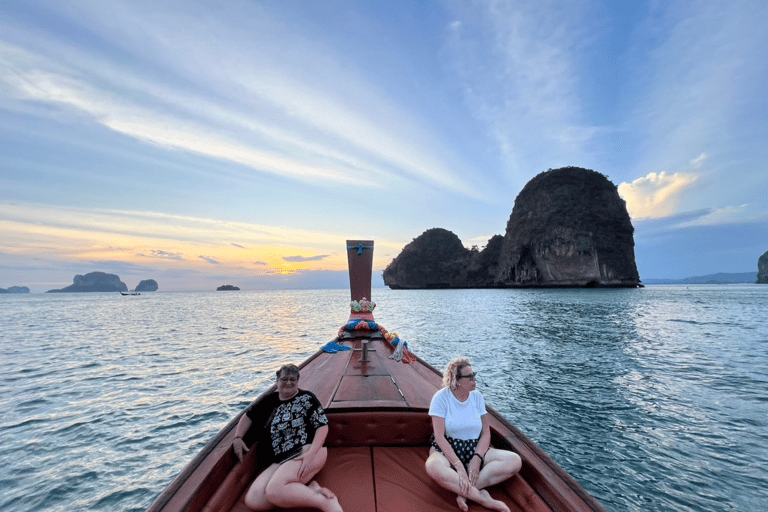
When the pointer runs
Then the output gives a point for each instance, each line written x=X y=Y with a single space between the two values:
x=378 y=437
x=377 y=446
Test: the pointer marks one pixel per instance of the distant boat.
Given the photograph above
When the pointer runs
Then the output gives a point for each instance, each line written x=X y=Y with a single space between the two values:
x=130 y=293
x=379 y=435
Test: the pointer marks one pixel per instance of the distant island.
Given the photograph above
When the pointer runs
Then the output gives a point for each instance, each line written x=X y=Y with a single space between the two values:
x=568 y=228
x=94 y=282
x=227 y=287
x=15 y=289
x=148 y=285
x=719 y=278
x=103 y=282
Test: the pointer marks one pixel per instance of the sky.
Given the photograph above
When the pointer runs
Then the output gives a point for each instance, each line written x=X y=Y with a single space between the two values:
x=243 y=142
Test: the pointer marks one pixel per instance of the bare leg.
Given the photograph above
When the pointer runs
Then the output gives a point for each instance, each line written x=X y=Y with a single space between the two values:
x=499 y=465
x=256 y=498
x=441 y=472
x=279 y=486
x=284 y=490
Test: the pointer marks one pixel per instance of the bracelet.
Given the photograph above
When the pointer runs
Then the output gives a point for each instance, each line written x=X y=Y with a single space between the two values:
x=482 y=460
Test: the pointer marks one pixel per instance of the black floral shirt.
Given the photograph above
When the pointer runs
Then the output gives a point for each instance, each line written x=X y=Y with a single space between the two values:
x=285 y=427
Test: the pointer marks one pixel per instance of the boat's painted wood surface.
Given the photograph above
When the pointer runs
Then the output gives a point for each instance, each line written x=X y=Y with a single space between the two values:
x=378 y=437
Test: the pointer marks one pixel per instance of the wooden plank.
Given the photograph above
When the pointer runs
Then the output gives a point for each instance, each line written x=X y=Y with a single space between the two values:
x=417 y=386
x=367 y=387
x=323 y=374
x=524 y=496
x=366 y=404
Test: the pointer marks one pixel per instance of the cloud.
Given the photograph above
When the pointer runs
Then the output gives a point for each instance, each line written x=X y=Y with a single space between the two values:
x=299 y=259
x=518 y=63
x=326 y=122
x=209 y=260
x=238 y=246
x=656 y=195
x=167 y=255
x=741 y=214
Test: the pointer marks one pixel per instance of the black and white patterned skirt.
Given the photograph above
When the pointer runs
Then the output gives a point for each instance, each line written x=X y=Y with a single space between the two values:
x=463 y=448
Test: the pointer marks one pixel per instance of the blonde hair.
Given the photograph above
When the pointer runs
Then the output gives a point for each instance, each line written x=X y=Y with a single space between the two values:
x=452 y=372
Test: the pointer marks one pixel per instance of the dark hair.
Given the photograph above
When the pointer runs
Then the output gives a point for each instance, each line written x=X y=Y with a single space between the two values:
x=289 y=369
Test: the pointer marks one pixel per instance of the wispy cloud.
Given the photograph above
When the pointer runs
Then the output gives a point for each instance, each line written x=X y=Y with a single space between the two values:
x=699 y=81
x=249 y=108
x=298 y=259
x=517 y=60
x=166 y=255
x=208 y=259
x=724 y=216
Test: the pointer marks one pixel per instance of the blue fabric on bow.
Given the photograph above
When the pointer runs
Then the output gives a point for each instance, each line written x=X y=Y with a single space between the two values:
x=359 y=248
x=332 y=347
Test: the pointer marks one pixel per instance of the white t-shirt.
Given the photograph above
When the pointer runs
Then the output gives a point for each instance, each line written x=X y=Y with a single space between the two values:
x=462 y=419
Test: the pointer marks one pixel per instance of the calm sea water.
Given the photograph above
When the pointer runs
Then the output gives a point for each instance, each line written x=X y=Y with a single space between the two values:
x=653 y=399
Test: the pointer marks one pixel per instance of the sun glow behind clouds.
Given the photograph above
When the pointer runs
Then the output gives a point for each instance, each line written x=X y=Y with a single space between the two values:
x=165 y=241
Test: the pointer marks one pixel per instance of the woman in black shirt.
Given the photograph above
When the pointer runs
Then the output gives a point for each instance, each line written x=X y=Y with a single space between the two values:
x=291 y=429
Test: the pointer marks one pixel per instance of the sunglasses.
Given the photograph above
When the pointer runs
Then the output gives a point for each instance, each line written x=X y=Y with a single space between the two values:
x=471 y=376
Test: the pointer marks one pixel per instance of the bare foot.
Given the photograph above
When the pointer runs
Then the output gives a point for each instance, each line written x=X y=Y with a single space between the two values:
x=492 y=503
x=462 y=501
x=333 y=505
x=322 y=490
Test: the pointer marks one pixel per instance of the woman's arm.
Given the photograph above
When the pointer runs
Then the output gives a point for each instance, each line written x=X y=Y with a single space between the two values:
x=242 y=429
x=485 y=437
x=308 y=458
x=438 y=426
x=317 y=442
x=475 y=465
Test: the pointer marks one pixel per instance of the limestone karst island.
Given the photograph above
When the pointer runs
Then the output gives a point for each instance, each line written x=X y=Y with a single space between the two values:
x=103 y=282
x=568 y=228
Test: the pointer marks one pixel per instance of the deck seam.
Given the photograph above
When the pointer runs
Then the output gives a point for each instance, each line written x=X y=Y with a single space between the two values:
x=373 y=475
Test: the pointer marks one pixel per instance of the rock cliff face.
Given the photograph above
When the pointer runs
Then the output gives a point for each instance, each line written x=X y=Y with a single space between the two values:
x=436 y=259
x=762 y=269
x=147 y=285
x=568 y=228
x=94 y=282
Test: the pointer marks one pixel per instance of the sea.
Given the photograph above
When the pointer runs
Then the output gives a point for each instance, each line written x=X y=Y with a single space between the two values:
x=653 y=399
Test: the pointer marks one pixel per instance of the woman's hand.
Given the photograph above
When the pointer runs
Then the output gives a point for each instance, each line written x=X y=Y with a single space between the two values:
x=464 y=482
x=240 y=448
x=474 y=470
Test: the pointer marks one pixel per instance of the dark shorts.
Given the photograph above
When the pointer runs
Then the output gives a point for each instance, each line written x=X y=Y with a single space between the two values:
x=463 y=448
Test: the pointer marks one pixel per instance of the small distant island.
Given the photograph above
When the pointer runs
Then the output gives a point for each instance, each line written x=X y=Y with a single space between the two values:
x=569 y=228
x=227 y=287
x=15 y=289
x=147 y=285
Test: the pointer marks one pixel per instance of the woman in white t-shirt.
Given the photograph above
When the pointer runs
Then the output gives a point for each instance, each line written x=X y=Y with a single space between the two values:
x=461 y=459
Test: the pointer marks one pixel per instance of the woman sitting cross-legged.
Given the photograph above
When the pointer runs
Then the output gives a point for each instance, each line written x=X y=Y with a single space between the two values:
x=291 y=427
x=461 y=459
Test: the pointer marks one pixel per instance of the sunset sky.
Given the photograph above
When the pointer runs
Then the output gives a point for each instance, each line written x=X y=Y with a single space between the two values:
x=242 y=142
